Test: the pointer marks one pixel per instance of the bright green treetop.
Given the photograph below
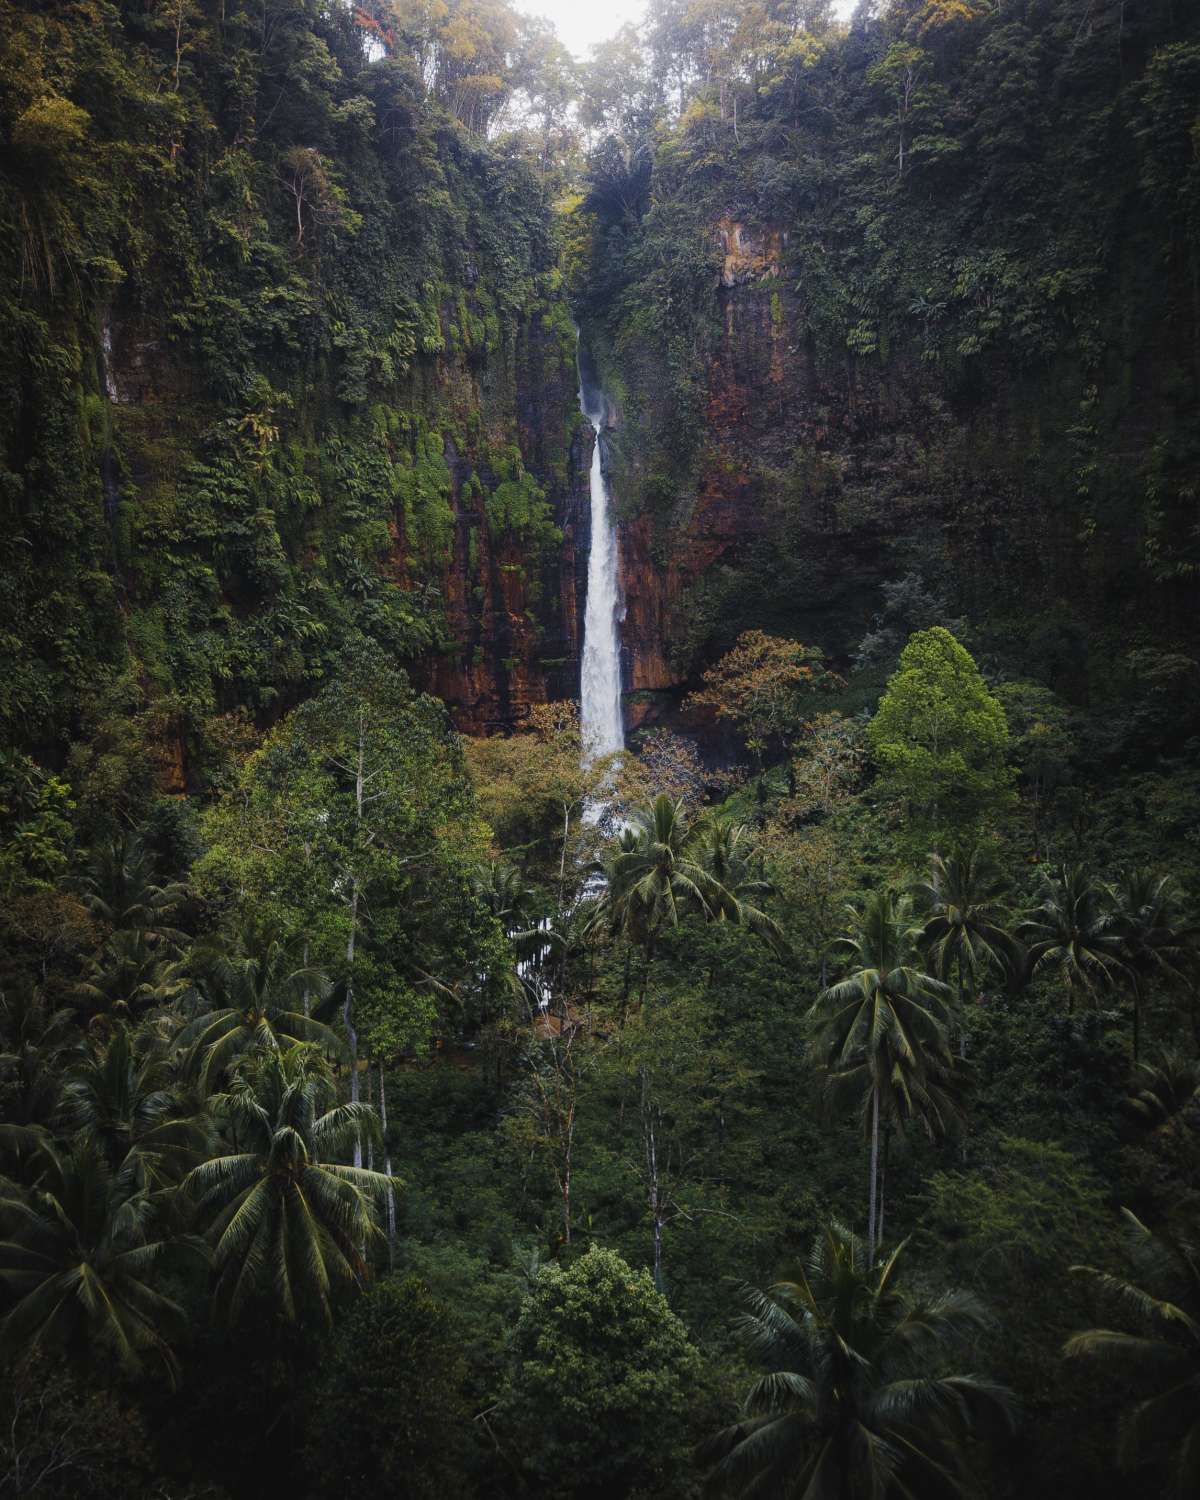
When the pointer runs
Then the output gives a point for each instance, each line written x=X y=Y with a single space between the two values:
x=940 y=738
x=602 y=1381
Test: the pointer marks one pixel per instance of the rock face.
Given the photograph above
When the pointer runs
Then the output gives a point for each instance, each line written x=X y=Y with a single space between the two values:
x=815 y=476
x=511 y=606
x=516 y=619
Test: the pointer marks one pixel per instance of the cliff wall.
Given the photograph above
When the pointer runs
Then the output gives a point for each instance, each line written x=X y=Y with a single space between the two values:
x=291 y=365
x=969 y=362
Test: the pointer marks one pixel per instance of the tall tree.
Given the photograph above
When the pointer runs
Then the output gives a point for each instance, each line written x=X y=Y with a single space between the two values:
x=124 y=1094
x=285 y=1219
x=1159 y=1367
x=1156 y=941
x=364 y=790
x=852 y=1400
x=765 y=687
x=733 y=860
x=940 y=741
x=1073 y=928
x=882 y=1033
x=79 y=1257
x=600 y=1417
x=254 y=993
x=660 y=871
x=118 y=887
x=965 y=932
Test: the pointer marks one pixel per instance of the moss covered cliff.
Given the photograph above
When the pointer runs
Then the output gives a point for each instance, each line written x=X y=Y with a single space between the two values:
x=288 y=363
x=919 y=298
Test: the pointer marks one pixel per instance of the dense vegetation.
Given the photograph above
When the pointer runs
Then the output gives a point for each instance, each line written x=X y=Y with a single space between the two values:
x=822 y=1119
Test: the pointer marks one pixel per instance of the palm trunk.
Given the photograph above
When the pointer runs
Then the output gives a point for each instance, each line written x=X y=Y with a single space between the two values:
x=646 y=972
x=652 y=1183
x=348 y=1016
x=562 y=863
x=348 y=1007
x=871 y=1202
x=883 y=1166
x=371 y=1104
x=387 y=1166
x=962 y=1011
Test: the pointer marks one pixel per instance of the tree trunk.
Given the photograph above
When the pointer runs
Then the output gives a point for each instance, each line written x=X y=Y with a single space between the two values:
x=883 y=1166
x=348 y=1015
x=962 y=1011
x=387 y=1166
x=652 y=1183
x=371 y=1103
x=871 y=1242
x=348 y=1007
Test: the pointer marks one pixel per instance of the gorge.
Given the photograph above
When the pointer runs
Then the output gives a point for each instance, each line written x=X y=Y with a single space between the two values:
x=600 y=701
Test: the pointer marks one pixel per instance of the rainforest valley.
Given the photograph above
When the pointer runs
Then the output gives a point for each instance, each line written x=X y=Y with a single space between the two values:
x=801 y=1101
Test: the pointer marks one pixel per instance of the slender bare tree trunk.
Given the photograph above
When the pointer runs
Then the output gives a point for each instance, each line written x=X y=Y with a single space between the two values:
x=653 y=1187
x=348 y=1013
x=348 y=1007
x=371 y=1103
x=387 y=1166
x=872 y=1243
x=883 y=1166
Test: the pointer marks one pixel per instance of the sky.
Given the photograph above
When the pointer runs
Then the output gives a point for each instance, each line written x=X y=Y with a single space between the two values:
x=582 y=23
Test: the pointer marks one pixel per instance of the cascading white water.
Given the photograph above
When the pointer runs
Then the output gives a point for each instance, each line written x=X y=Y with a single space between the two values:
x=600 y=686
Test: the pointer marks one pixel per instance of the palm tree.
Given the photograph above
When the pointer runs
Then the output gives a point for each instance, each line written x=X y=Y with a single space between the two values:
x=1163 y=1360
x=658 y=872
x=1154 y=943
x=500 y=888
x=849 y=1403
x=1165 y=1090
x=131 y=977
x=1075 y=930
x=657 y=875
x=882 y=1032
x=731 y=858
x=964 y=931
x=36 y=1040
x=119 y=888
x=251 y=992
x=124 y=1096
x=78 y=1257
x=284 y=1217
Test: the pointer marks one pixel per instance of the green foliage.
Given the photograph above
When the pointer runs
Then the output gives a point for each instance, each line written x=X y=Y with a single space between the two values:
x=232 y=352
x=79 y=1257
x=940 y=740
x=601 y=1381
x=389 y=1406
x=1162 y=1427
x=285 y=1219
x=898 y=320
x=854 y=1399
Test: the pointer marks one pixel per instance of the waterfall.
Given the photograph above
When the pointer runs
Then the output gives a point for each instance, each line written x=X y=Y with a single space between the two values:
x=110 y=384
x=600 y=685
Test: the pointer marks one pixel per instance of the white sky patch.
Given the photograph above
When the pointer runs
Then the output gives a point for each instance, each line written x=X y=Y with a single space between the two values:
x=582 y=23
